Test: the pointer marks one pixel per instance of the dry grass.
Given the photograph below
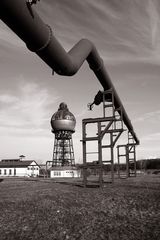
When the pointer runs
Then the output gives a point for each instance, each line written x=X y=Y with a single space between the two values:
x=127 y=210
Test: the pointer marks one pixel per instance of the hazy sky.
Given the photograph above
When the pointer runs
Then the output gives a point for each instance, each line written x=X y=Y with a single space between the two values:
x=127 y=36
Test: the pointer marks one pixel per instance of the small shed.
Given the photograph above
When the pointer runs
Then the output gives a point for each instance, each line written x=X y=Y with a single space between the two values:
x=65 y=172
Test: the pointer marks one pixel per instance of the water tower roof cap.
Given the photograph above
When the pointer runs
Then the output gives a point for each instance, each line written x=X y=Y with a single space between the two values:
x=63 y=113
x=63 y=106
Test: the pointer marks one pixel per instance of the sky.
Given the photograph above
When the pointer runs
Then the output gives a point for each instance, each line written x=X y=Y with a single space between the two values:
x=126 y=34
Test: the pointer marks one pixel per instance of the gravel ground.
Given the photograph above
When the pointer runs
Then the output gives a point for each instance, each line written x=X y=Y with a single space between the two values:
x=42 y=209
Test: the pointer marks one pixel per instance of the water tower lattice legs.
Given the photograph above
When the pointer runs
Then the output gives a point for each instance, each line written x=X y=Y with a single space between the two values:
x=63 y=153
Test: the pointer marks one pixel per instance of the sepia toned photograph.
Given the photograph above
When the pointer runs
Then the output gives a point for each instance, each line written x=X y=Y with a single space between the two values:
x=79 y=120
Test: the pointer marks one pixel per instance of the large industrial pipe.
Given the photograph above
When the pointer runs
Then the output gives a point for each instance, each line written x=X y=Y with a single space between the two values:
x=20 y=16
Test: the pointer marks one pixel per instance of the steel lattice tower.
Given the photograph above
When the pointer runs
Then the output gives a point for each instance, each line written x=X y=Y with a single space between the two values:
x=63 y=124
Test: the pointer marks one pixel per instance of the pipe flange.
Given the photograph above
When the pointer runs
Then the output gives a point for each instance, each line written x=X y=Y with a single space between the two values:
x=33 y=49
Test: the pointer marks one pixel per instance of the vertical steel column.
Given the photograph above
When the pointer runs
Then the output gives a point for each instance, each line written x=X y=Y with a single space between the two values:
x=84 y=154
x=112 y=156
x=135 y=165
x=114 y=126
x=100 y=155
x=131 y=160
x=127 y=161
x=118 y=157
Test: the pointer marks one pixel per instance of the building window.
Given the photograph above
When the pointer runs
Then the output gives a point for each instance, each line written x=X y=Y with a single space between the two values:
x=14 y=171
x=5 y=171
x=10 y=171
x=57 y=173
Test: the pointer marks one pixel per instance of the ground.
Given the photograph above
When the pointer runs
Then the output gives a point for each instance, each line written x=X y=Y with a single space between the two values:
x=40 y=209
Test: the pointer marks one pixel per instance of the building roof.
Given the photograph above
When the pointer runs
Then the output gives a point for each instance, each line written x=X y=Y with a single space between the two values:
x=6 y=164
x=10 y=160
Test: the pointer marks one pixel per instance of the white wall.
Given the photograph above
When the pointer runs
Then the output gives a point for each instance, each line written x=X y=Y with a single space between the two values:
x=65 y=173
x=21 y=171
x=33 y=171
x=10 y=172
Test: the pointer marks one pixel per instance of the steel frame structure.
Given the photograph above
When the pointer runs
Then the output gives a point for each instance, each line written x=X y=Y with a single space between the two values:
x=63 y=153
x=129 y=154
x=111 y=126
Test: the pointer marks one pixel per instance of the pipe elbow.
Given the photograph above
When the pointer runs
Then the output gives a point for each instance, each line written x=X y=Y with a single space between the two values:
x=72 y=61
x=68 y=69
x=72 y=69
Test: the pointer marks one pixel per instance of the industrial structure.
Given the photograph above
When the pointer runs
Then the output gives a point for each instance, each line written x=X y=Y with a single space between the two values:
x=21 y=17
x=63 y=126
x=110 y=126
x=63 y=162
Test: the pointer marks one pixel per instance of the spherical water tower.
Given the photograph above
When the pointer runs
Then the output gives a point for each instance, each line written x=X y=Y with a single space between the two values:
x=63 y=126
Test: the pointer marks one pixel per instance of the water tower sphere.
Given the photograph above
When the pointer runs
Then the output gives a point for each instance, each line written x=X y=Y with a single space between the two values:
x=63 y=119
